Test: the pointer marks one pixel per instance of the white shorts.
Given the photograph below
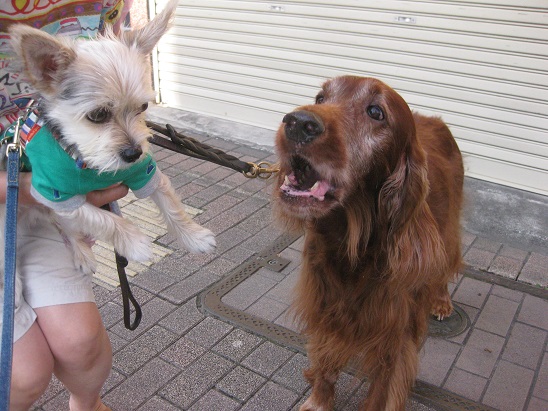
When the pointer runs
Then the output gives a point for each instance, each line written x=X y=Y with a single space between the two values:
x=48 y=275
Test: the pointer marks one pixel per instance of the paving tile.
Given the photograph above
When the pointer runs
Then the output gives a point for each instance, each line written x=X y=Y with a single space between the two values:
x=219 y=205
x=230 y=238
x=506 y=267
x=509 y=386
x=272 y=397
x=525 y=345
x=267 y=358
x=182 y=291
x=515 y=253
x=289 y=321
x=256 y=221
x=263 y=238
x=220 y=267
x=283 y=291
x=142 y=349
x=183 y=318
x=154 y=281
x=153 y=311
x=54 y=388
x=59 y=402
x=140 y=386
x=176 y=267
x=486 y=244
x=182 y=353
x=480 y=354
x=110 y=313
x=497 y=315
x=197 y=379
x=237 y=344
x=533 y=312
x=435 y=360
x=472 y=292
x=267 y=308
x=239 y=254
x=507 y=293
x=535 y=270
x=118 y=343
x=215 y=401
x=346 y=387
x=480 y=259
x=357 y=398
x=467 y=239
x=241 y=383
x=536 y=404
x=291 y=374
x=208 y=332
x=465 y=384
x=541 y=385
x=157 y=403
x=188 y=190
x=248 y=291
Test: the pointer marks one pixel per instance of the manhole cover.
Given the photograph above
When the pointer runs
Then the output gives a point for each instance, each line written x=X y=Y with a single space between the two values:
x=455 y=324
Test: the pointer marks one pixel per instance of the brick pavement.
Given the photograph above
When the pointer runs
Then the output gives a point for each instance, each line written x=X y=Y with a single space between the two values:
x=183 y=358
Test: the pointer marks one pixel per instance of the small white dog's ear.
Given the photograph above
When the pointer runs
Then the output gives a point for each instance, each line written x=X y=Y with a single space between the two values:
x=43 y=56
x=148 y=36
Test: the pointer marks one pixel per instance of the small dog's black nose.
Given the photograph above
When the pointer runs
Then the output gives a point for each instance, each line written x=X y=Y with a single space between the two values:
x=303 y=126
x=131 y=154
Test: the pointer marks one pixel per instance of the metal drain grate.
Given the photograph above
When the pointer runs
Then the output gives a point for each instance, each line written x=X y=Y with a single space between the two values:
x=210 y=302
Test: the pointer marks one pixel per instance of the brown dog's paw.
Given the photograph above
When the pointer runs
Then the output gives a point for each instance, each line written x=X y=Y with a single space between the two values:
x=442 y=307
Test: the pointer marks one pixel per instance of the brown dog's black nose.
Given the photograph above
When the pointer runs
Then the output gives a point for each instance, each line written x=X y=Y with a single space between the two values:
x=131 y=154
x=302 y=126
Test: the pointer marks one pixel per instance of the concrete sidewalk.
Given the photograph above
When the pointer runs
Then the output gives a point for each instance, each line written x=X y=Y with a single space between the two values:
x=215 y=333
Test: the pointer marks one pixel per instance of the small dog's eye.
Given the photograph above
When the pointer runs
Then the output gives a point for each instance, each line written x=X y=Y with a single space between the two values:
x=375 y=112
x=144 y=107
x=99 y=115
x=319 y=98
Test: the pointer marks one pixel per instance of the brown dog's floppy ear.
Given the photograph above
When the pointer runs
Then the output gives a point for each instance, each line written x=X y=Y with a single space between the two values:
x=405 y=190
x=414 y=246
x=42 y=55
x=145 y=38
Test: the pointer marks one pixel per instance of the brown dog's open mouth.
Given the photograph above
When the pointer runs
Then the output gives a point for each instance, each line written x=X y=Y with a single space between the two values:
x=304 y=181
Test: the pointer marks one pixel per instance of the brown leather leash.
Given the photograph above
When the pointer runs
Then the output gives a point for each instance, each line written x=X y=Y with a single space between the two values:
x=167 y=137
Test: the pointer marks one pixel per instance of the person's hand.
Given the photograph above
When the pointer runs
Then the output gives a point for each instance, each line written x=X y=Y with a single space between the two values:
x=107 y=195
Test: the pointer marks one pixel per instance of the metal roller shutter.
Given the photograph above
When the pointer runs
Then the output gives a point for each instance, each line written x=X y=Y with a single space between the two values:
x=481 y=65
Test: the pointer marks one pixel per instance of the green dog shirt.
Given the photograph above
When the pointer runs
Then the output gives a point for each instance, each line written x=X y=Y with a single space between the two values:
x=61 y=182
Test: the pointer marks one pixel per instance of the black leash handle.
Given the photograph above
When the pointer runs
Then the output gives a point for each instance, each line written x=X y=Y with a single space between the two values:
x=127 y=295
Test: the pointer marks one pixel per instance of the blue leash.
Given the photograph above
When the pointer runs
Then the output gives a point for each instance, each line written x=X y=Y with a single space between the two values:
x=6 y=352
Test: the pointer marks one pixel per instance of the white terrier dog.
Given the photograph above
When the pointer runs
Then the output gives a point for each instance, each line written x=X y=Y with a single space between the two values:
x=91 y=133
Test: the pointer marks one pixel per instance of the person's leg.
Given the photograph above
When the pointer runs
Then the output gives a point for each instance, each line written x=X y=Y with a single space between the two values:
x=32 y=369
x=81 y=350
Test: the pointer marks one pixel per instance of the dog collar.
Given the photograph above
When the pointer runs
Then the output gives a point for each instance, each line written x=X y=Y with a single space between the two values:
x=34 y=123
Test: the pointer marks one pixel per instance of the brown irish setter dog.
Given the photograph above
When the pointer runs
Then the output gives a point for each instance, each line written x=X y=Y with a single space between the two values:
x=377 y=190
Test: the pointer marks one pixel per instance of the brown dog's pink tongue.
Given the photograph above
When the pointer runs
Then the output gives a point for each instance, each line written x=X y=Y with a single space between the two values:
x=318 y=190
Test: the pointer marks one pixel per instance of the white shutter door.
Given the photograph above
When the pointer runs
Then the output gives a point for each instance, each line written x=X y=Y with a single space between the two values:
x=482 y=66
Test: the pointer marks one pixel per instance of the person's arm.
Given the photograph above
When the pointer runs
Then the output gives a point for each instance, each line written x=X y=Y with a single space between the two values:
x=97 y=198
x=24 y=188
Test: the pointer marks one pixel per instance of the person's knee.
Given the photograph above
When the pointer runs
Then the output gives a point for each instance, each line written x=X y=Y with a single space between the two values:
x=32 y=369
x=83 y=349
x=26 y=389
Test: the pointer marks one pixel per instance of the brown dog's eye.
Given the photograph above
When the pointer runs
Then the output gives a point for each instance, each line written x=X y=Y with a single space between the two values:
x=375 y=112
x=144 y=107
x=99 y=115
x=319 y=98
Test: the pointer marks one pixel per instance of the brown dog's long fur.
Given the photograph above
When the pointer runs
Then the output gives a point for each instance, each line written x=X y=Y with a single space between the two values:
x=382 y=233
